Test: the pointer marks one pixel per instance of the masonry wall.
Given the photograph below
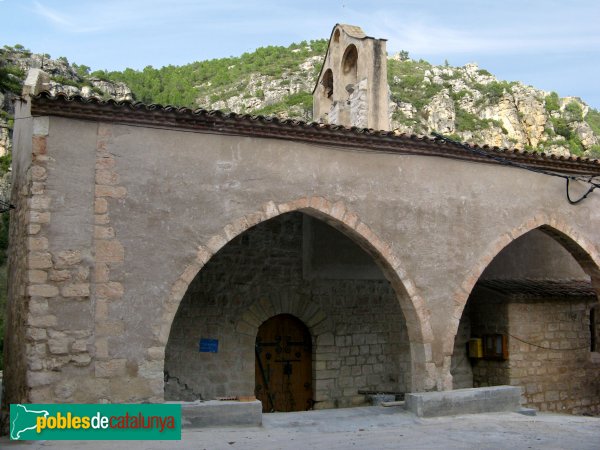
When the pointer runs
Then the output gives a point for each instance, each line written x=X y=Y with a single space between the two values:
x=359 y=343
x=15 y=387
x=488 y=314
x=125 y=216
x=562 y=376
x=549 y=353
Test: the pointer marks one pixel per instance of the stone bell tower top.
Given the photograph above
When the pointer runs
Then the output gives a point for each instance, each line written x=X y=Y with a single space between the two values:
x=352 y=88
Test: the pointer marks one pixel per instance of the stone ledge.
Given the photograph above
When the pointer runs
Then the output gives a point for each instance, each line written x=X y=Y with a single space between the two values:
x=214 y=413
x=464 y=401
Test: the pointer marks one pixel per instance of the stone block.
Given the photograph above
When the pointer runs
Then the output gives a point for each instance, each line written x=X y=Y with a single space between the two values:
x=109 y=251
x=117 y=192
x=37 y=276
x=39 y=260
x=270 y=210
x=58 y=343
x=104 y=232
x=156 y=353
x=79 y=346
x=67 y=258
x=33 y=228
x=110 y=290
x=38 y=173
x=59 y=275
x=101 y=348
x=42 y=321
x=464 y=401
x=338 y=210
x=76 y=290
x=101 y=219
x=106 y=177
x=37 y=244
x=105 y=162
x=236 y=228
x=39 y=217
x=218 y=414
x=111 y=368
x=38 y=188
x=101 y=273
x=100 y=206
x=36 y=334
x=35 y=379
x=110 y=328
x=42 y=290
x=326 y=339
x=82 y=274
x=152 y=369
x=216 y=243
x=39 y=202
x=38 y=306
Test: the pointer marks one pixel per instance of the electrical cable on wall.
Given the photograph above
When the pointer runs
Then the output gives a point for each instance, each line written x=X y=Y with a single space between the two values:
x=5 y=206
x=547 y=348
x=588 y=179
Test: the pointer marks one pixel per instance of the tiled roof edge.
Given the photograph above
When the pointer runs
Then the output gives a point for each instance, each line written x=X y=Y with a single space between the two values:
x=210 y=121
x=525 y=287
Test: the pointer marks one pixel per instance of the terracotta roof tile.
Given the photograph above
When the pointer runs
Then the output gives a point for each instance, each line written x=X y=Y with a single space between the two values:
x=201 y=120
x=540 y=288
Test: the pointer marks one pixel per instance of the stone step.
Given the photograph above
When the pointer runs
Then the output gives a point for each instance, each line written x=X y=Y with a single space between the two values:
x=464 y=401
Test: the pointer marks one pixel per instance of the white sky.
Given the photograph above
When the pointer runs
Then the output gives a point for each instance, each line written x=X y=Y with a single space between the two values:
x=551 y=44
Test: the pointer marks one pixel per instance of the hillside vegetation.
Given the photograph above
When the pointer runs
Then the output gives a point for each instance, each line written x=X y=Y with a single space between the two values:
x=467 y=103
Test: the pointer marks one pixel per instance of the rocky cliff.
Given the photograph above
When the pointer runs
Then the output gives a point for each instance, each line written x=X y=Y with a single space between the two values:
x=472 y=105
x=64 y=77
x=467 y=103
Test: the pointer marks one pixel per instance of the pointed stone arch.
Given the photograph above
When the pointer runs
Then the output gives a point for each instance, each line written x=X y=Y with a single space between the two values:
x=343 y=219
x=583 y=251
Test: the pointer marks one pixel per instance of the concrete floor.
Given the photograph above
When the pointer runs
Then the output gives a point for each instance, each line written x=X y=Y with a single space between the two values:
x=372 y=428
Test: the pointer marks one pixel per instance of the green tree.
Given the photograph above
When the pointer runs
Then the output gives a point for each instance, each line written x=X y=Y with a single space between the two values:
x=573 y=112
x=10 y=77
x=561 y=127
x=82 y=70
x=593 y=120
x=552 y=102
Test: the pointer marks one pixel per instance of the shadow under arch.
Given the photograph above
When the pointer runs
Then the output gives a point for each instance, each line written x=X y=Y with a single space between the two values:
x=340 y=217
x=581 y=250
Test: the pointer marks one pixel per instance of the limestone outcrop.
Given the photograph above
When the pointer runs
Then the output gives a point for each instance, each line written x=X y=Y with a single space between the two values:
x=470 y=104
x=467 y=103
x=68 y=78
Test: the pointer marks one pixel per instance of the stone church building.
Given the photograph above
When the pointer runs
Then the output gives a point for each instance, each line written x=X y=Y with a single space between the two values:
x=159 y=253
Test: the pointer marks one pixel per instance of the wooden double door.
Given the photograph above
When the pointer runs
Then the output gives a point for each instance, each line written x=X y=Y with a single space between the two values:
x=284 y=365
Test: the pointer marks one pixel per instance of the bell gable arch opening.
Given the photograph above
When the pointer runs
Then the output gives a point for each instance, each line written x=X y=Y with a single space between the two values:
x=327 y=82
x=349 y=67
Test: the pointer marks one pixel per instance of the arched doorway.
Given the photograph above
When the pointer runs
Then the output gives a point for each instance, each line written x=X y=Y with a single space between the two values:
x=283 y=352
x=297 y=264
x=529 y=322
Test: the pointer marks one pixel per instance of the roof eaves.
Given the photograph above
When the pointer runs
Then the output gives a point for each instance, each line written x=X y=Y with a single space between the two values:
x=202 y=120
